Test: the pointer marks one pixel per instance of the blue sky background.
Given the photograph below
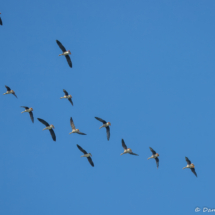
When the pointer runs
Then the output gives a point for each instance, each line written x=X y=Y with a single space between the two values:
x=145 y=66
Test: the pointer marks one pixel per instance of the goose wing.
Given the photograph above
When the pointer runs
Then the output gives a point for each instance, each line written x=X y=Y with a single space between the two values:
x=108 y=132
x=90 y=161
x=70 y=100
x=14 y=94
x=69 y=60
x=26 y=108
x=153 y=151
x=52 y=134
x=31 y=116
x=72 y=123
x=65 y=92
x=194 y=172
x=61 y=46
x=8 y=88
x=188 y=161
x=44 y=122
x=157 y=161
x=132 y=153
x=81 y=133
x=101 y=120
x=123 y=144
x=82 y=150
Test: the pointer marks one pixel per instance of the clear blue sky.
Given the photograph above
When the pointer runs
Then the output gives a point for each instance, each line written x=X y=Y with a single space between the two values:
x=147 y=67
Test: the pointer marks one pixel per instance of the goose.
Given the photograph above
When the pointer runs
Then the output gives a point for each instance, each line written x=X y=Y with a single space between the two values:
x=127 y=150
x=155 y=156
x=65 y=53
x=106 y=125
x=74 y=130
x=191 y=166
x=49 y=127
x=29 y=110
x=87 y=155
x=9 y=91
x=67 y=96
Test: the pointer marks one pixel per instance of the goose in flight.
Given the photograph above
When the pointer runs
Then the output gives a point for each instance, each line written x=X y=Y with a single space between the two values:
x=106 y=125
x=29 y=110
x=74 y=130
x=127 y=150
x=190 y=166
x=9 y=91
x=87 y=155
x=49 y=127
x=155 y=156
x=67 y=96
x=65 y=53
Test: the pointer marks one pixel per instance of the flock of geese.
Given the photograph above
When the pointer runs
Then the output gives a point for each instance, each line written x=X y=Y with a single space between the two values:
x=106 y=124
